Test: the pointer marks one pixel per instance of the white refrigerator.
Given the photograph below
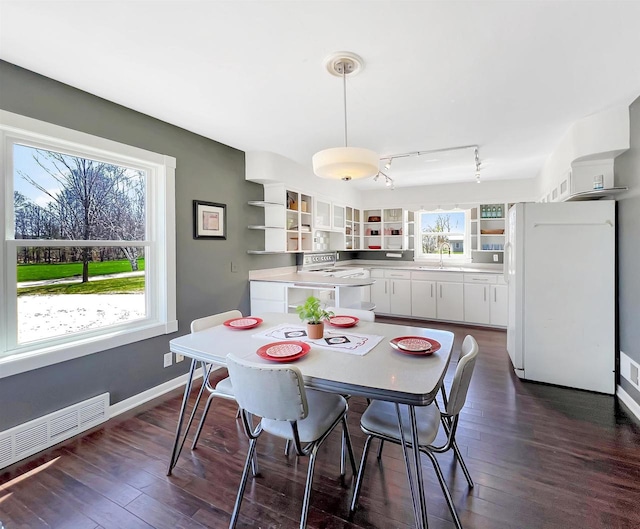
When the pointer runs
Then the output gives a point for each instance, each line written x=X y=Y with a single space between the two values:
x=560 y=269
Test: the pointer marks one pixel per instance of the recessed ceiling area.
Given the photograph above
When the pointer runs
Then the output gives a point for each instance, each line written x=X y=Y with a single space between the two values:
x=510 y=77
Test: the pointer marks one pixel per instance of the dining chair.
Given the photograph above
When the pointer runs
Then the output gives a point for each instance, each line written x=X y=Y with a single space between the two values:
x=361 y=314
x=380 y=420
x=364 y=315
x=288 y=410
x=223 y=389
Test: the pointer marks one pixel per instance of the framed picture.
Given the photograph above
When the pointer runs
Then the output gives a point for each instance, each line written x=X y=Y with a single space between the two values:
x=209 y=220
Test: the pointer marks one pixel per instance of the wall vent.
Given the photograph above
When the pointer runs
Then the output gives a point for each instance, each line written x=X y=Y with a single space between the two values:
x=26 y=439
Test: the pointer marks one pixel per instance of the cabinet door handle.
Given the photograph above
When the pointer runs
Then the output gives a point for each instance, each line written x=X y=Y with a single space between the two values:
x=485 y=294
x=431 y=289
x=495 y=295
x=393 y=287
x=385 y=287
x=440 y=290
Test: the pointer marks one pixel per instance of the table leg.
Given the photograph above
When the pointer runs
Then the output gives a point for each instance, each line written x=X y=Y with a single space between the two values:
x=417 y=496
x=177 y=443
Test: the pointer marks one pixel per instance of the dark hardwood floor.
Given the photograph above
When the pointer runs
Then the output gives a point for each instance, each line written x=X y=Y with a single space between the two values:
x=541 y=457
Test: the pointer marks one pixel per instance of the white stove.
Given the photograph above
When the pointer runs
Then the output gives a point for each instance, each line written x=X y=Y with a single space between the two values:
x=325 y=264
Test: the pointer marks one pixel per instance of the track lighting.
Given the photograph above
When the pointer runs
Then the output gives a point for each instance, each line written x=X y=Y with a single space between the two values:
x=477 y=166
x=387 y=166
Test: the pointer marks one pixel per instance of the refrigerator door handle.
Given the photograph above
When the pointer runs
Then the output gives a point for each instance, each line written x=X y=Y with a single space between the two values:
x=507 y=262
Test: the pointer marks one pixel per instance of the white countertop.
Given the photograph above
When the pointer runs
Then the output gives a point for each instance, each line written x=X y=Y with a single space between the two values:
x=310 y=279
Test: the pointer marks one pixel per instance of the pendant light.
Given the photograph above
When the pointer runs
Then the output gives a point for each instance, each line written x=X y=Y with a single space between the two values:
x=345 y=163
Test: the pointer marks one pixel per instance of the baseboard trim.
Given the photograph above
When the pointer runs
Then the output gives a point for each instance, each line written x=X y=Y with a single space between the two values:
x=633 y=406
x=152 y=393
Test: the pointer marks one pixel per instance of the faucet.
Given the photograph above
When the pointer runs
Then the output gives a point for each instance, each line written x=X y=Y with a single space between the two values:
x=442 y=245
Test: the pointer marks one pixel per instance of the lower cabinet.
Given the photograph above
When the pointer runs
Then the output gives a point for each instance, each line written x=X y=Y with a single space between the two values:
x=268 y=297
x=437 y=295
x=499 y=305
x=450 y=304
x=477 y=305
x=391 y=293
x=485 y=299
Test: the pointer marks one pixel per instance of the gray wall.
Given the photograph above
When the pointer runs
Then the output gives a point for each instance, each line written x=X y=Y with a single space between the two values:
x=627 y=173
x=206 y=170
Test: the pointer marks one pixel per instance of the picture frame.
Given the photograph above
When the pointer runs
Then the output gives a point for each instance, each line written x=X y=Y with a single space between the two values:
x=209 y=220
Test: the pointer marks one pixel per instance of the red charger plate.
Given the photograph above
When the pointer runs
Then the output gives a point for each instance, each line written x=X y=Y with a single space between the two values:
x=375 y=247
x=343 y=321
x=435 y=345
x=247 y=322
x=304 y=349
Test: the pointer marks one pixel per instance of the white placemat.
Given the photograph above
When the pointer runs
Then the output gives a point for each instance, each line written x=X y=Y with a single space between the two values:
x=341 y=340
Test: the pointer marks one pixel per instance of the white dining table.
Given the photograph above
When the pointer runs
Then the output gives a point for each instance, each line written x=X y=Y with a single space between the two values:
x=383 y=374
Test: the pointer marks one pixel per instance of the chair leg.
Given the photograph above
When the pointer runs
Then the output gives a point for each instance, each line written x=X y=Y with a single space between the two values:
x=456 y=451
x=445 y=489
x=243 y=483
x=346 y=440
x=287 y=446
x=363 y=464
x=202 y=419
x=307 y=490
x=380 y=448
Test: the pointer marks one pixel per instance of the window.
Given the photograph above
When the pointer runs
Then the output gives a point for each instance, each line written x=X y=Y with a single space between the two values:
x=88 y=257
x=442 y=235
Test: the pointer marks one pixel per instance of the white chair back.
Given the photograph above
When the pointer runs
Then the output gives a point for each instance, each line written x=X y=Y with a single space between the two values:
x=270 y=392
x=361 y=314
x=462 y=376
x=215 y=319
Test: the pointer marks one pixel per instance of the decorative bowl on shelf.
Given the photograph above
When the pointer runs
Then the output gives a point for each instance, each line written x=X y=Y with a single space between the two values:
x=375 y=247
x=373 y=219
x=492 y=232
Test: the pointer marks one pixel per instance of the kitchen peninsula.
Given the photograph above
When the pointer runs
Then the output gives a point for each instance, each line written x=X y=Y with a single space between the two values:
x=281 y=289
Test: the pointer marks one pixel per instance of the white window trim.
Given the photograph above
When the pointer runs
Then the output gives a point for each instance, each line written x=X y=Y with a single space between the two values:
x=465 y=258
x=162 y=315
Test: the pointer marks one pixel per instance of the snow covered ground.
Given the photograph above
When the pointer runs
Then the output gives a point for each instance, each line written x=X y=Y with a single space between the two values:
x=46 y=316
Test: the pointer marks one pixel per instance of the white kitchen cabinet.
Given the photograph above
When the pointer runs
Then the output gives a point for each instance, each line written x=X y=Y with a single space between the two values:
x=391 y=292
x=352 y=229
x=338 y=217
x=380 y=295
x=424 y=299
x=437 y=295
x=268 y=296
x=287 y=220
x=450 y=303
x=477 y=305
x=499 y=305
x=322 y=215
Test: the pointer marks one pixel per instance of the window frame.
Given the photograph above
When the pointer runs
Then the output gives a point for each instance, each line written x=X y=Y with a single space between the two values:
x=466 y=256
x=160 y=245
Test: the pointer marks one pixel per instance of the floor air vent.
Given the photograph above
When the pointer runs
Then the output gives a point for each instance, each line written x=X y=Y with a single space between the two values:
x=27 y=439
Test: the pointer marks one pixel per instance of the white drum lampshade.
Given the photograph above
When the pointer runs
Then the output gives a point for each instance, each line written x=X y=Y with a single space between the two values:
x=345 y=163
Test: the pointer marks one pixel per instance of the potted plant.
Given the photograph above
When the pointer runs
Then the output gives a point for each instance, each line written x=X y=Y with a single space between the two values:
x=311 y=312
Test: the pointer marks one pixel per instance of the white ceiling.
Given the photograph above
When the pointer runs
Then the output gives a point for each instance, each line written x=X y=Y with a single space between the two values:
x=509 y=76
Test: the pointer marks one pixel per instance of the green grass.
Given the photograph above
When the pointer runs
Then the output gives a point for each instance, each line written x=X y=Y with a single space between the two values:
x=37 y=272
x=125 y=285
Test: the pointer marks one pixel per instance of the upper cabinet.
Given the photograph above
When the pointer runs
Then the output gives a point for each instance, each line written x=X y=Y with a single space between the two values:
x=287 y=220
x=387 y=229
x=488 y=227
x=352 y=229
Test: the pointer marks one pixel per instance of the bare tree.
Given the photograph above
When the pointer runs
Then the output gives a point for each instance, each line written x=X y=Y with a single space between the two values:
x=431 y=242
x=95 y=200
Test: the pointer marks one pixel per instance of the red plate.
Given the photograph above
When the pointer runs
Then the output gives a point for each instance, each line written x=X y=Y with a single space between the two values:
x=248 y=322
x=343 y=321
x=434 y=345
x=277 y=351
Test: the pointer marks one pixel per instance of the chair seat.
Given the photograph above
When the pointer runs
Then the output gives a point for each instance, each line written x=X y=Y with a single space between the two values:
x=381 y=419
x=225 y=387
x=324 y=410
